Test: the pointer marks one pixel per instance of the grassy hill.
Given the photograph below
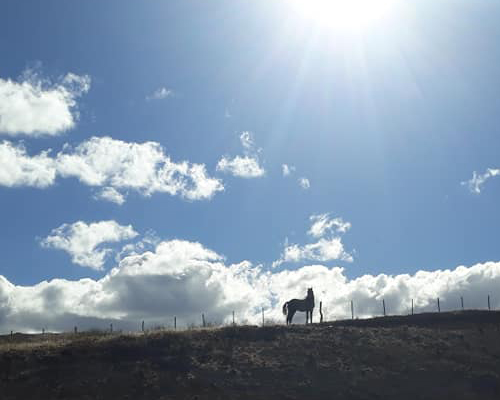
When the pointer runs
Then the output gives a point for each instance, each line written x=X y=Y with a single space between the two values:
x=425 y=356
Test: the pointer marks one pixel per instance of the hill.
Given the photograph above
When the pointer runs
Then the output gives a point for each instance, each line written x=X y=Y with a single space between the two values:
x=425 y=356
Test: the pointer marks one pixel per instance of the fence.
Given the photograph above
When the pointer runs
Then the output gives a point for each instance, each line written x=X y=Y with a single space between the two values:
x=384 y=311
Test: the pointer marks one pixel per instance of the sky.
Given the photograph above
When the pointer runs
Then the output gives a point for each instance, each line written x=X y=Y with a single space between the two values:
x=180 y=157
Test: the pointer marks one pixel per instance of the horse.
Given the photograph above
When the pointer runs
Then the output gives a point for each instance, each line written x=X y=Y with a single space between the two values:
x=307 y=305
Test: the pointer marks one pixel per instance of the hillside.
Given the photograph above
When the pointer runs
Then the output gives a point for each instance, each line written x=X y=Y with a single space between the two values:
x=426 y=356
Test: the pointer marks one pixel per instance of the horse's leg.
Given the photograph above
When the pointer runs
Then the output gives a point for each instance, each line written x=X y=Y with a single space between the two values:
x=291 y=313
x=311 y=316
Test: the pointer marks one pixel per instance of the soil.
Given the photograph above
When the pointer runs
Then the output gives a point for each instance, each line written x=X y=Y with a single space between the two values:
x=425 y=356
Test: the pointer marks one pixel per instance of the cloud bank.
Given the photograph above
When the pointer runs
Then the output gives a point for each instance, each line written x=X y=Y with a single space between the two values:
x=36 y=106
x=113 y=165
x=184 y=279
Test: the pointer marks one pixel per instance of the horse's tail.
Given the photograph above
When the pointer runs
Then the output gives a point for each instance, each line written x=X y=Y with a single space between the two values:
x=285 y=308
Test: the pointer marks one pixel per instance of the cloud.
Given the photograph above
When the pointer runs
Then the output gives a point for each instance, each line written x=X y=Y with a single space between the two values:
x=323 y=224
x=17 y=168
x=81 y=241
x=323 y=250
x=160 y=93
x=36 y=106
x=110 y=194
x=329 y=246
x=287 y=169
x=247 y=140
x=304 y=183
x=243 y=167
x=112 y=164
x=246 y=166
x=476 y=183
x=186 y=279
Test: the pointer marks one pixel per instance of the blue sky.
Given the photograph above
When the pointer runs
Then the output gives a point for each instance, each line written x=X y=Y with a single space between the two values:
x=387 y=122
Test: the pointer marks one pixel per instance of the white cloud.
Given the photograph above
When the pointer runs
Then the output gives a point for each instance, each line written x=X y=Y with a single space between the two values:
x=323 y=250
x=111 y=164
x=323 y=224
x=186 y=279
x=81 y=241
x=476 y=183
x=110 y=194
x=329 y=246
x=287 y=169
x=36 y=106
x=304 y=183
x=160 y=93
x=243 y=167
x=19 y=169
x=247 y=140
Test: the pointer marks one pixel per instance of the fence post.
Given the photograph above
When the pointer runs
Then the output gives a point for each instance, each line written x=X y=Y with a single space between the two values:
x=142 y=327
x=352 y=309
x=489 y=308
x=320 y=312
x=462 y=301
x=11 y=333
x=175 y=323
x=76 y=329
x=262 y=316
x=411 y=306
x=383 y=304
x=233 y=319
x=203 y=320
x=110 y=328
x=439 y=306
x=43 y=331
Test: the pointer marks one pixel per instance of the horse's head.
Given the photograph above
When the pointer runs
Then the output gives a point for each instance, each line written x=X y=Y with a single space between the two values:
x=310 y=292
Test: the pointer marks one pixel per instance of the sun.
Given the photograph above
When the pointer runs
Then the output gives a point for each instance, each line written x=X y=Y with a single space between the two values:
x=351 y=14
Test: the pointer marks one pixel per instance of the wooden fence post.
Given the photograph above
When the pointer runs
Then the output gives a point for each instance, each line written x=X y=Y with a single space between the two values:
x=462 y=301
x=411 y=306
x=43 y=331
x=175 y=323
x=76 y=329
x=320 y=312
x=203 y=320
x=262 y=316
x=352 y=309
x=110 y=328
x=11 y=333
x=439 y=306
x=383 y=304
x=142 y=327
x=489 y=308
x=233 y=319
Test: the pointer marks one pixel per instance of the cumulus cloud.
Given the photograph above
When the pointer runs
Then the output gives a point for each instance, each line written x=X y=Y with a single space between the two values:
x=304 y=183
x=184 y=279
x=329 y=246
x=83 y=241
x=247 y=166
x=36 y=106
x=243 y=167
x=110 y=194
x=475 y=184
x=160 y=94
x=112 y=164
x=323 y=224
x=17 y=168
x=287 y=169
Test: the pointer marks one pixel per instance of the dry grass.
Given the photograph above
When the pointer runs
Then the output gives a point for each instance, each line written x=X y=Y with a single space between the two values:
x=421 y=357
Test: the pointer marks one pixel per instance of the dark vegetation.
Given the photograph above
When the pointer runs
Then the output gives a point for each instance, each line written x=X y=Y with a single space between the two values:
x=426 y=356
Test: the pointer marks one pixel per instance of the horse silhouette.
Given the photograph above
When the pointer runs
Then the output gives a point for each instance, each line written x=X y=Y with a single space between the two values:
x=294 y=305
